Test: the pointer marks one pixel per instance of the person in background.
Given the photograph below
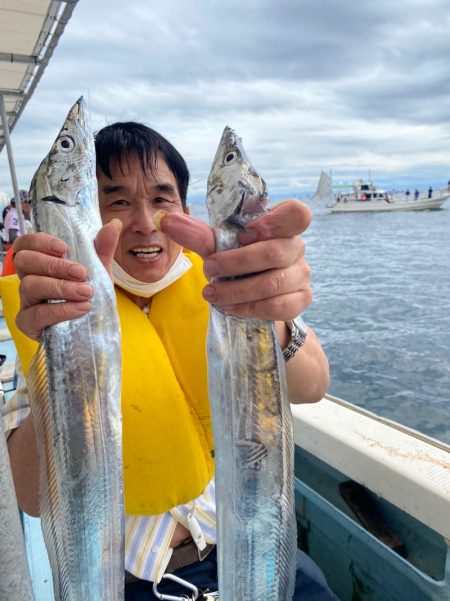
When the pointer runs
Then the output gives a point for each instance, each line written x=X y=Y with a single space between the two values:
x=145 y=244
x=11 y=223
x=430 y=192
x=416 y=194
x=8 y=263
x=5 y=211
x=11 y=220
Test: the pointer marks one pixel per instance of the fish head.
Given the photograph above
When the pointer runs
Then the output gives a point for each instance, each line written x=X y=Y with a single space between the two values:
x=69 y=168
x=236 y=193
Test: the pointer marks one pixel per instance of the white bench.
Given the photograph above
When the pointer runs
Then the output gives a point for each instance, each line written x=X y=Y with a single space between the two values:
x=399 y=464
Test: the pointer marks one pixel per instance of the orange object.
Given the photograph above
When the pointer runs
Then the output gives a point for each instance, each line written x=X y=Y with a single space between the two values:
x=8 y=263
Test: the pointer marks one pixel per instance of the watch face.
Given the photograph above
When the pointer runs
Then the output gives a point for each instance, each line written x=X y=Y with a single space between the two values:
x=300 y=325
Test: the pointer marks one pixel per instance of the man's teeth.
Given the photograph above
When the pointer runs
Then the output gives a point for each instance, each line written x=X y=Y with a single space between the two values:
x=151 y=251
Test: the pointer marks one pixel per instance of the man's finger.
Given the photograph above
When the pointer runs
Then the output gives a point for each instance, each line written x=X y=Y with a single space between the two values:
x=285 y=220
x=287 y=306
x=28 y=262
x=260 y=256
x=106 y=242
x=33 y=320
x=37 y=289
x=270 y=284
x=40 y=242
x=188 y=232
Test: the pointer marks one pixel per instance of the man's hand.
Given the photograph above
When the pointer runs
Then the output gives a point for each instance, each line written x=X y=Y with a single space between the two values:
x=45 y=275
x=272 y=252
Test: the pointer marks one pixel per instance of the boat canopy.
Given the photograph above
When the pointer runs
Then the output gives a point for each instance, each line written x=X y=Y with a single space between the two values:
x=29 y=32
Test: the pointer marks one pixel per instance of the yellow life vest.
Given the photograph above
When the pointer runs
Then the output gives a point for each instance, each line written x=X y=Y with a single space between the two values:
x=167 y=434
x=26 y=347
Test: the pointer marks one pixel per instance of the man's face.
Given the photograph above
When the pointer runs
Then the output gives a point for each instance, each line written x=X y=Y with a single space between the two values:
x=134 y=196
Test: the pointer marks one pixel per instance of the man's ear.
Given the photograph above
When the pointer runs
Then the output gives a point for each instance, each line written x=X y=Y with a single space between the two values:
x=186 y=210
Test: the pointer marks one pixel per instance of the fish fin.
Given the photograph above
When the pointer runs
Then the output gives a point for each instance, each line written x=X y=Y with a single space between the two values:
x=37 y=384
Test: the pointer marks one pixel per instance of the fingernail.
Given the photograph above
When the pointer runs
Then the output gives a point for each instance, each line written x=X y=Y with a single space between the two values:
x=58 y=246
x=77 y=271
x=83 y=307
x=209 y=293
x=211 y=268
x=84 y=290
x=157 y=218
x=117 y=223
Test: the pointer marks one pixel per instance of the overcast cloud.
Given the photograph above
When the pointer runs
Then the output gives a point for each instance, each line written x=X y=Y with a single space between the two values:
x=345 y=85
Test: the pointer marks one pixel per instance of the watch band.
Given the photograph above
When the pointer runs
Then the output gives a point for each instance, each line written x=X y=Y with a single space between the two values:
x=298 y=336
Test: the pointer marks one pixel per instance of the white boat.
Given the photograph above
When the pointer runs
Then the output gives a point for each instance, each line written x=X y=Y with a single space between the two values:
x=366 y=197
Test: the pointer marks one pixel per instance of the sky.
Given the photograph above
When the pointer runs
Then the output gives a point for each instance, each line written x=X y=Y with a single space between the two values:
x=358 y=87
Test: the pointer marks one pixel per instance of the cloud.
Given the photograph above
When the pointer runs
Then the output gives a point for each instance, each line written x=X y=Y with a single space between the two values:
x=311 y=85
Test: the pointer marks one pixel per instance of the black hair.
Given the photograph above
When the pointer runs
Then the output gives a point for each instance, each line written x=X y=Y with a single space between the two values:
x=114 y=142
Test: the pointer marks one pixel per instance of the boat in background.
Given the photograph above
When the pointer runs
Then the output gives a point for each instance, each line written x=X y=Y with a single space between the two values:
x=364 y=196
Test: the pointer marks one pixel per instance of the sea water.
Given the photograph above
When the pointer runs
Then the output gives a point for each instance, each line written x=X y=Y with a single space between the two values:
x=381 y=309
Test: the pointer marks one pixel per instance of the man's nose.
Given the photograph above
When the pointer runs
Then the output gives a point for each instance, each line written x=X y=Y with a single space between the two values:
x=144 y=220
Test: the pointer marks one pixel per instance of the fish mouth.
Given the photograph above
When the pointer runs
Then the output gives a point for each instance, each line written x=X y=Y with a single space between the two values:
x=236 y=218
x=54 y=199
x=245 y=209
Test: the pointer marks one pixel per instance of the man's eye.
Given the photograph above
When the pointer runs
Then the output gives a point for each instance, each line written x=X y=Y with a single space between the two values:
x=119 y=202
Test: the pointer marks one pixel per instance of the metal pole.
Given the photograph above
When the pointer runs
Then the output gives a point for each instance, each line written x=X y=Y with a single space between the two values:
x=12 y=168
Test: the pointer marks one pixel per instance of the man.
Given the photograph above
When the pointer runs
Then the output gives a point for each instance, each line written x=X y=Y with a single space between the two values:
x=142 y=194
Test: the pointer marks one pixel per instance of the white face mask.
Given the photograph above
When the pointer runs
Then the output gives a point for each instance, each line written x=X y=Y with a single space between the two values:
x=145 y=289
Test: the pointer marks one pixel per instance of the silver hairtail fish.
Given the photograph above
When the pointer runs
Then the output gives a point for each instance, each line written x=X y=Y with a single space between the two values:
x=15 y=580
x=75 y=387
x=252 y=421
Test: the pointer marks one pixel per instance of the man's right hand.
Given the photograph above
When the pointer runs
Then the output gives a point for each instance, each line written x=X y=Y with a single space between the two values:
x=45 y=275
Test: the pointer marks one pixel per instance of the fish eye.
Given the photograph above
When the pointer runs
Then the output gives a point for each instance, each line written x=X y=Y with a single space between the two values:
x=66 y=143
x=230 y=157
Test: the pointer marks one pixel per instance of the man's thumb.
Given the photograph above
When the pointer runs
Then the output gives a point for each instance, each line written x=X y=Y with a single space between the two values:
x=106 y=242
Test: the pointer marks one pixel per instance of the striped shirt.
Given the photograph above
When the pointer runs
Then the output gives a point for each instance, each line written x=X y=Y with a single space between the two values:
x=147 y=538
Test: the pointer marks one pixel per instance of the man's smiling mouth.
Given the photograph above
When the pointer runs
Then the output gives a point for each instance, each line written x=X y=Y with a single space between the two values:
x=146 y=252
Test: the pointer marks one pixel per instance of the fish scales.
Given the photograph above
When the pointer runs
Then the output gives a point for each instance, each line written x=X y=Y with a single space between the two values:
x=252 y=421
x=75 y=387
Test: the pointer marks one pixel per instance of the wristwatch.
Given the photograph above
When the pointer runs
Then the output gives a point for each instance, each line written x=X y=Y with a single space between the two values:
x=298 y=331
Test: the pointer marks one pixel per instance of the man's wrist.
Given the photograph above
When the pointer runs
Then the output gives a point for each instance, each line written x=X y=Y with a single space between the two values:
x=298 y=332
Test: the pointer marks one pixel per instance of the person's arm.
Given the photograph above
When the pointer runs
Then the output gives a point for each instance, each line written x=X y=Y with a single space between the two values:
x=19 y=430
x=25 y=466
